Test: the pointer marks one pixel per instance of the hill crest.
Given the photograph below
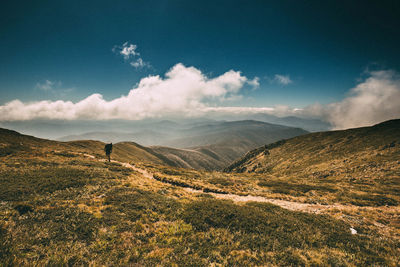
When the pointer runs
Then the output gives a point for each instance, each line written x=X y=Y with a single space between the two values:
x=319 y=147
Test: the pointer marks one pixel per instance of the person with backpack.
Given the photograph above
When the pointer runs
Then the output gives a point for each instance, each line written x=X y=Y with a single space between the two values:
x=108 y=150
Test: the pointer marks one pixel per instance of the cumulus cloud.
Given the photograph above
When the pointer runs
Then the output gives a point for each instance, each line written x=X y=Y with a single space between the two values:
x=128 y=51
x=186 y=91
x=374 y=100
x=282 y=79
x=183 y=91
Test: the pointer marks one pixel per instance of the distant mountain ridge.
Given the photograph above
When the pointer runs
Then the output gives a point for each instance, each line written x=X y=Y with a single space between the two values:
x=208 y=145
x=56 y=129
x=167 y=133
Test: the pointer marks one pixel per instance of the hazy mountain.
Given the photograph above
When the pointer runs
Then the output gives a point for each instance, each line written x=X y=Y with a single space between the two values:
x=186 y=135
x=68 y=130
x=56 y=129
x=248 y=131
x=207 y=145
x=144 y=137
x=312 y=125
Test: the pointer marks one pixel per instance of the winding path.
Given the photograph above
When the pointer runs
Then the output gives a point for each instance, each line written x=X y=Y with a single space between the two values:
x=290 y=205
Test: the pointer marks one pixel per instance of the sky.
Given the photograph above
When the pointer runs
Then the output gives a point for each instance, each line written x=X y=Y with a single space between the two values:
x=97 y=60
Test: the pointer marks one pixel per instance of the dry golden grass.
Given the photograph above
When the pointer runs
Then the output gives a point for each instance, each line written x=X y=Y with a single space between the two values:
x=108 y=214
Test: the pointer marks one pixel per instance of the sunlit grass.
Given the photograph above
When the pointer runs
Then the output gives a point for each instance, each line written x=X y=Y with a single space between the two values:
x=64 y=208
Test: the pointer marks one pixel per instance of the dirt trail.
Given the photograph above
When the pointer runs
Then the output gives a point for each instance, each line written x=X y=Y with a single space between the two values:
x=295 y=206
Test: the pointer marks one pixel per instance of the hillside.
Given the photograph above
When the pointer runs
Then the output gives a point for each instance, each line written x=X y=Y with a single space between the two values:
x=359 y=166
x=249 y=132
x=81 y=210
x=335 y=153
x=14 y=143
x=213 y=146
x=189 y=158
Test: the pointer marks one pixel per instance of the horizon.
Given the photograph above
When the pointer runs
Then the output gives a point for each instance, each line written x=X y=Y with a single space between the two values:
x=337 y=63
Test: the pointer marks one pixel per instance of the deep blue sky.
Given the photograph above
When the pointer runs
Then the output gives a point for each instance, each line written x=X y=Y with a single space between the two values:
x=324 y=46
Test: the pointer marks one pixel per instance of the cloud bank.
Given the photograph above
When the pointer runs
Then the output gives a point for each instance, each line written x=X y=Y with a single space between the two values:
x=187 y=92
x=372 y=101
x=183 y=91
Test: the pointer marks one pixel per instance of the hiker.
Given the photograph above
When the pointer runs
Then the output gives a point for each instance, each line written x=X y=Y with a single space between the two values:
x=108 y=150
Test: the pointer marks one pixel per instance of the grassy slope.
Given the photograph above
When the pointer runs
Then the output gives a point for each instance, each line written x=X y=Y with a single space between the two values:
x=80 y=211
x=213 y=147
x=188 y=158
x=364 y=161
x=222 y=143
x=358 y=168
x=322 y=148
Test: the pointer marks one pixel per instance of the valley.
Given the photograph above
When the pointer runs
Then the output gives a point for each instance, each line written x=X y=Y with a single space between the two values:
x=207 y=145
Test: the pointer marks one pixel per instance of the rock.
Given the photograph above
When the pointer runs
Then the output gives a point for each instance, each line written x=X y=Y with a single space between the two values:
x=353 y=231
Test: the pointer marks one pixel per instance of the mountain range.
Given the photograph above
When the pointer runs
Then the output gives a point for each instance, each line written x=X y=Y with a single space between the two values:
x=207 y=145
x=57 y=129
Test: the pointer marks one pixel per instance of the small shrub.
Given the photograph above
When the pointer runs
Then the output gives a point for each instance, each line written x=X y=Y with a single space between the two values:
x=371 y=200
x=23 y=208
x=220 y=181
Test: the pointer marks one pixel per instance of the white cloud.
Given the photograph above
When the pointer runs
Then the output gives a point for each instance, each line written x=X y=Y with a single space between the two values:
x=282 y=79
x=372 y=101
x=183 y=91
x=186 y=91
x=128 y=51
